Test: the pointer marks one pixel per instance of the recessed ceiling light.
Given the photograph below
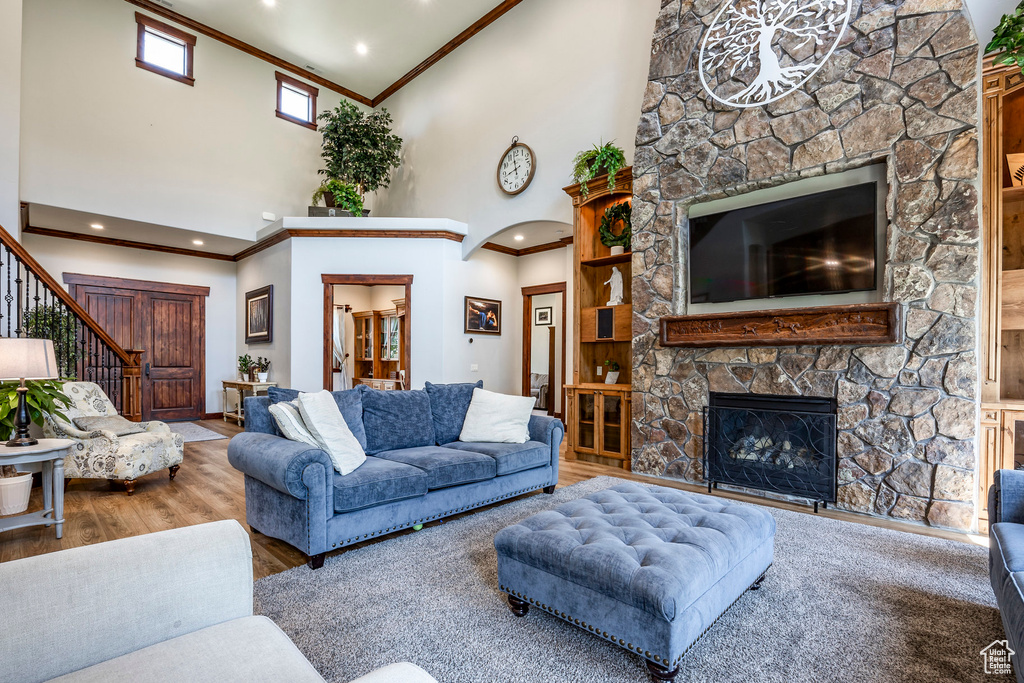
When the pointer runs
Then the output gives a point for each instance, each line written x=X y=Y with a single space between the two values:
x=361 y=48
x=198 y=243
x=95 y=226
x=519 y=238
x=269 y=3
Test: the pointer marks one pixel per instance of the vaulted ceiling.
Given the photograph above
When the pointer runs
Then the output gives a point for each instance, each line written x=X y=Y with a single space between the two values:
x=364 y=46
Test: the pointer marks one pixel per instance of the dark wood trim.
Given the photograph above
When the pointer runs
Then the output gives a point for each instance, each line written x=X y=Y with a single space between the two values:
x=213 y=416
x=140 y=285
x=130 y=244
x=526 y=251
x=276 y=238
x=143 y=22
x=852 y=324
x=249 y=49
x=283 y=79
x=329 y=281
x=446 y=49
x=528 y=294
x=58 y=291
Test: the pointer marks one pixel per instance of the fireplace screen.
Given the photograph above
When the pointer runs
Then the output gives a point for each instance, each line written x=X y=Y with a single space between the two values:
x=781 y=444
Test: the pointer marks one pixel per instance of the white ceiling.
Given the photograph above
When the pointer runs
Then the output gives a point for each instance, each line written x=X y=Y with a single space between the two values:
x=67 y=220
x=533 y=233
x=399 y=34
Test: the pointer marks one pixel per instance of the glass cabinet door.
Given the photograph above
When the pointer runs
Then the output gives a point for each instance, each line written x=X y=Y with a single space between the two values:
x=586 y=406
x=368 y=338
x=611 y=423
x=394 y=355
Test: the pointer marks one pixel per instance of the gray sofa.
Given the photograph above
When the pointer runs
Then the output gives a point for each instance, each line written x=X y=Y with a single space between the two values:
x=165 y=607
x=1006 y=556
x=416 y=470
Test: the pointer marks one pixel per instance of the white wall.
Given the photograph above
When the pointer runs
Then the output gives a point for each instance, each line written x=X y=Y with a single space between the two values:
x=561 y=74
x=271 y=266
x=10 y=114
x=60 y=256
x=985 y=15
x=102 y=135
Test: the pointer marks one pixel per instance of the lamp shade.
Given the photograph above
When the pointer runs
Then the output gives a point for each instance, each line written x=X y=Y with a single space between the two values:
x=27 y=359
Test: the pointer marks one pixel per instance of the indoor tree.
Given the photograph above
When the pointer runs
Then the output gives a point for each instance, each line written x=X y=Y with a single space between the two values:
x=358 y=149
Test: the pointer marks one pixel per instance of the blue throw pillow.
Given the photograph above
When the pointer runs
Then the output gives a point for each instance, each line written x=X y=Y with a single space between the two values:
x=350 y=403
x=449 y=404
x=396 y=419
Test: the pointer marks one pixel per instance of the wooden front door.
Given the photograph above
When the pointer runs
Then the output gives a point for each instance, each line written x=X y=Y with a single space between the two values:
x=168 y=323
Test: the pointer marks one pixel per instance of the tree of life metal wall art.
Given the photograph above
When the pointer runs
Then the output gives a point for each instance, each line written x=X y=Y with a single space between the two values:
x=758 y=51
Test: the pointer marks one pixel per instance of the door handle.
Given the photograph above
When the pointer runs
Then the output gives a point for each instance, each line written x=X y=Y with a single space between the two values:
x=147 y=369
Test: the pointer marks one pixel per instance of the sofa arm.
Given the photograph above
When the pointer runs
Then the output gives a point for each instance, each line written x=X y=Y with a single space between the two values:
x=75 y=608
x=1006 y=497
x=546 y=430
x=277 y=462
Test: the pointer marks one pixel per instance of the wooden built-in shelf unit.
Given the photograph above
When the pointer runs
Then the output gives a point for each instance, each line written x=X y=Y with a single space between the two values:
x=380 y=347
x=1001 y=440
x=597 y=414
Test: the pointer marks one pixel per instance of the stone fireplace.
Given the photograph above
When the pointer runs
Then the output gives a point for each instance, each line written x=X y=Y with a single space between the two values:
x=899 y=89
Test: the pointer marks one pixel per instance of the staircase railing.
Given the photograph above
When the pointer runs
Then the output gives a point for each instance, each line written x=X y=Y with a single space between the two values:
x=34 y=305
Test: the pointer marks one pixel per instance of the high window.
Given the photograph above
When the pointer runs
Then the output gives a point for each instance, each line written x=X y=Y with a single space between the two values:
x=164 y=49
x=296 y=101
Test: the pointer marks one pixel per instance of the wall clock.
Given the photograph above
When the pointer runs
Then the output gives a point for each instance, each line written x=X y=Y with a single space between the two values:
x=516 y=168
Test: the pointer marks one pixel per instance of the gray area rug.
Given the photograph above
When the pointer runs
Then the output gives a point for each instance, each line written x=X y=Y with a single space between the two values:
x=843 y=602
x=193 y=432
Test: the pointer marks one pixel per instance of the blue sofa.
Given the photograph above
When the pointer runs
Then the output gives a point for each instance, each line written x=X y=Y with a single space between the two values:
x=1006 y=556
x=416 y=470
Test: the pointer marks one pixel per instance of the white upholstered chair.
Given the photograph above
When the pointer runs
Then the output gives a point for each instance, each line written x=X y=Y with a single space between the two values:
x=102 y=454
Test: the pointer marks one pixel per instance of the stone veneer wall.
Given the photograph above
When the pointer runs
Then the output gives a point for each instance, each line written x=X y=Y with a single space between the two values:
x=901 y=89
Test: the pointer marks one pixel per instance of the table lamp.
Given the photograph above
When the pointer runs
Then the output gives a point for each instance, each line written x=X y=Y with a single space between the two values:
x=23 y=359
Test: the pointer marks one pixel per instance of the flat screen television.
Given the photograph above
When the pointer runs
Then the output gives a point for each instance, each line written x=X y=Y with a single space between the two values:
x=823 y=243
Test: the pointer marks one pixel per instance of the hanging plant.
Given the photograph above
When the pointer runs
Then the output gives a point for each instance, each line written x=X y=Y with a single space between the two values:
x=1009 y=37
x=590 y=163
x=612 y=215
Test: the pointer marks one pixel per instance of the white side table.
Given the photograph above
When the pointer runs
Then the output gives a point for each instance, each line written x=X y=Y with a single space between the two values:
x=51 y=453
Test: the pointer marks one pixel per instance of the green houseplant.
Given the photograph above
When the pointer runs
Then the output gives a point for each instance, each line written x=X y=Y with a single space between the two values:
x=590 y=163
x=59 y=325
x=344 y=196
x=358 y=148
x=42 y=398
x=262 y=368
x=1009 y=37
x=246 y=365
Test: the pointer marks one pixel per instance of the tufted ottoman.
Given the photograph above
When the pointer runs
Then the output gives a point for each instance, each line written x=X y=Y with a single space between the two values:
x=647 y=567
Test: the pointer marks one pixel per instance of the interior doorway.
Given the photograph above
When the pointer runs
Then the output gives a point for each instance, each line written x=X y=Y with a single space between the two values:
x=544 y=321
x=168 y=323
x=367 y=331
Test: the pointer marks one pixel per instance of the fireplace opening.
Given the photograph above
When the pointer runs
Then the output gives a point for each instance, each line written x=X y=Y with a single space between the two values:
x=779 y=444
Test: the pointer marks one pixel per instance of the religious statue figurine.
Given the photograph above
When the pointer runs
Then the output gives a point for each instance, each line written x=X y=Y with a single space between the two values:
x=615 y=281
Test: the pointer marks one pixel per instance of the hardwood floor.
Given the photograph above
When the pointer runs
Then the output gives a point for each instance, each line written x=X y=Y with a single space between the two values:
x=208 y=488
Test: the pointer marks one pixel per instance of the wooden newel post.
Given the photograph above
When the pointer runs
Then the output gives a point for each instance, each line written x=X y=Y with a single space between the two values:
x=132 y=390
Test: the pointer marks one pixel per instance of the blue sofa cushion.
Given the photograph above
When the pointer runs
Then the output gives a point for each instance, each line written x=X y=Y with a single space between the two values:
x=258 y=417
x=1008 y=544
x=449 y=404
x=376 y=482
x=350 y=403
x=445 y=466
x=510 y=457
x=396 y=419
x=652 y=547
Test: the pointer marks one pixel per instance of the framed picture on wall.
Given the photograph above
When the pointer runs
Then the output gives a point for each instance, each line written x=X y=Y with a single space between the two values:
x=542 y=316
x=259 y=315
x=482 y=316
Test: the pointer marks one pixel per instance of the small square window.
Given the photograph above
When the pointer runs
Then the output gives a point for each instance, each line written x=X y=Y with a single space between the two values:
x=164 y=49
x=296 y=101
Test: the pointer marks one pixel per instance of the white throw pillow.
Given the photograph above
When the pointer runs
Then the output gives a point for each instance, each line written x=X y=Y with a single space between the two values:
x=326 y=425
x=497 y=418
x=289 y=421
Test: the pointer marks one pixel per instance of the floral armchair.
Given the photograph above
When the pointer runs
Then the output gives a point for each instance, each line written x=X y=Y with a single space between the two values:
x=102 y=454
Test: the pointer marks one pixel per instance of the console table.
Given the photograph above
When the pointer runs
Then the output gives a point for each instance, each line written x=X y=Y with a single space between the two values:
x=51 y=453
x=254 y=388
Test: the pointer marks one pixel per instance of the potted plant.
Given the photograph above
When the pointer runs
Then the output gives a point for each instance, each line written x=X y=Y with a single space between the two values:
x=612 y=376
x=590 y=163
x=1008 y=36
x=358 y=149
x=262 y=368
x=246 y=367
x=338 y=193
x=42 y=398
x=612 y=215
